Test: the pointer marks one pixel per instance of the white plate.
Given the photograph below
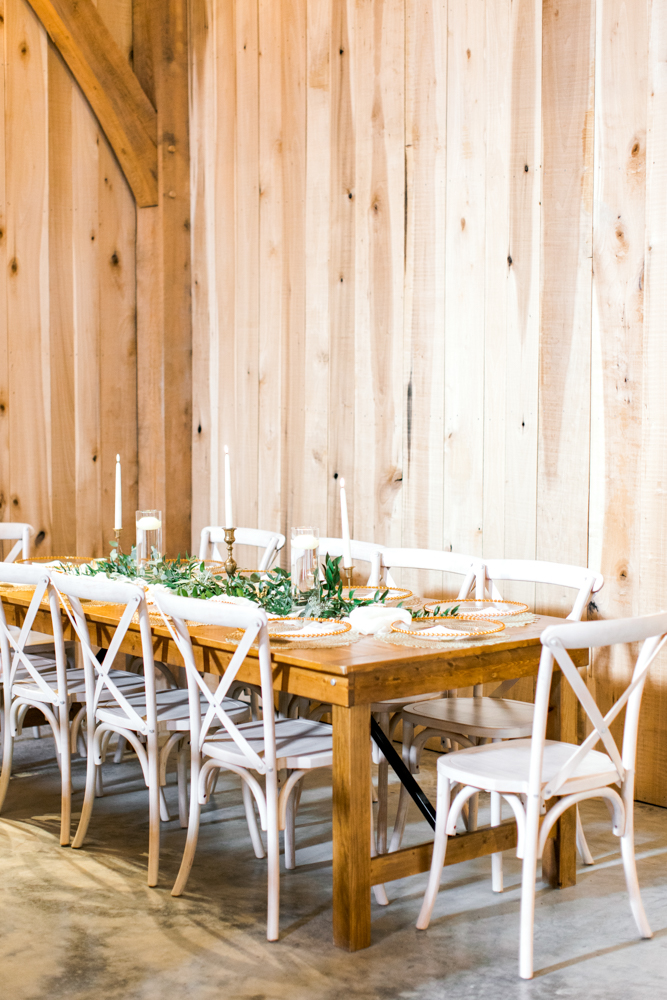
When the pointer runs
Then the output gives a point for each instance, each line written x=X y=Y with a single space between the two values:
x=443 y=628
x=306 y=628
x=472 y=611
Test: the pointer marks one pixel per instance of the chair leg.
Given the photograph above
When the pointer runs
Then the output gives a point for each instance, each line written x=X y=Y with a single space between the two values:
x=273 y=858
x=496 y=859
x=403 y=797
x=439 y=852
x=65 y=778
x=164 y=808
x=99 y=783
x=582 y=843
x=89 y=794
x=383 y=791
x=251 y=819
x=379 y=891
x=191 y=841
x=7 y=754
x=630 y=870
x=120 y=750
x=290 y=824
x=528 y=876
x=153 y=809
x=182 y=776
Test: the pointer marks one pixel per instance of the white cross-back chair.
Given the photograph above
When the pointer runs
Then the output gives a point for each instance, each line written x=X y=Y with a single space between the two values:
x=11 y=531
x=248 y=749
x=212 y=537
x=432 y=559
x=365 y=552
x=387 y=712
x=467 y=721
x=45 y=682
x=527 y=773
x=32 y=680
x=135 y=715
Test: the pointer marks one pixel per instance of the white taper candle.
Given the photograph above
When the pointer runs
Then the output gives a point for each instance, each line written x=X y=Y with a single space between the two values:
x=229 y=519
x=118 y=512
x=347 y=554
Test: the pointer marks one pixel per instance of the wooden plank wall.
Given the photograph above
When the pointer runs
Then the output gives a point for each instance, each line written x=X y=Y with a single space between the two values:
x=67 y=299
x=429 y=255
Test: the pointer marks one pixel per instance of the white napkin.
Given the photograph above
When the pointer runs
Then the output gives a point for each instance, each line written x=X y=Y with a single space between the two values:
x=375 y=617
x=228 y=599
x=441 y=630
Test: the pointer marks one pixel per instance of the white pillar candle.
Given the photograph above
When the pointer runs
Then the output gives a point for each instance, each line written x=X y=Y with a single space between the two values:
x=229 y=519
x=118 y=513
x=347 y=554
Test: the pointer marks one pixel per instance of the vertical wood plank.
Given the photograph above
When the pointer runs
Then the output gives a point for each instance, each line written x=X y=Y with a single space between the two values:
x=424 y=301
x=204 y=192
x=26 y=111
x=651 y=750
x=241 y=345
x=498 y=93
x=4 y=332
x=164 y=329
x=567 y=234
x=617 y=330
x=464 y=288
x=379 y=84
x=523 y=264
x=314 y=470
x=116 y=352
x=60 y=423
x=274 y=425
x=342 y=267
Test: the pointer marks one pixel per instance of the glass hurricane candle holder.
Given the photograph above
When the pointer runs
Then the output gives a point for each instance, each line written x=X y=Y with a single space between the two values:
x=149 y=535
x=305 y=570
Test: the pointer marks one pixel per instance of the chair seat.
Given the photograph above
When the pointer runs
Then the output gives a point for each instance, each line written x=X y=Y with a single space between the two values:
x=504 y=767
x=173 y=710
x=396 y=704
x=493 y=718
x=25 y=687
x=300 y=744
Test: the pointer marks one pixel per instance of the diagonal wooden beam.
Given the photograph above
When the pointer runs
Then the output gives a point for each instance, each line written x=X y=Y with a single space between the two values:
x=98 y=65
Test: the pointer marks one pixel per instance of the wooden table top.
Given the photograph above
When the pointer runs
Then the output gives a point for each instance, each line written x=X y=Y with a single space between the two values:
x=365 y=671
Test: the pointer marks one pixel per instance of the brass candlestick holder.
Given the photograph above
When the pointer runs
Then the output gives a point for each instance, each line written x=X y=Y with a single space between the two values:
x=349 y=574
x=116 y=532
x=230 y=565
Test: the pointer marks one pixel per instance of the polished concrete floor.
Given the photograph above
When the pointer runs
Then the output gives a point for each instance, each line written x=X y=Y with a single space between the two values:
x=83 y=924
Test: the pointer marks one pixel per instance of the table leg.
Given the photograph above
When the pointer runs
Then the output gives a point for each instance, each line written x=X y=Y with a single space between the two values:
x=559 y=861
x=351 y=827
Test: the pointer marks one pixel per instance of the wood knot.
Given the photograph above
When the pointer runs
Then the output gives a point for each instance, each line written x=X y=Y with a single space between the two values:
x=635 y=149
x=23 y=48
x=463 y=224
x=14 y=265
x=39 y=538
x=114 y=259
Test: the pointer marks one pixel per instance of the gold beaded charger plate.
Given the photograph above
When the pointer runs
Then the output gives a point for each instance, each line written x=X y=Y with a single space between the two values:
x=472 y=611
x=388 y=595
x=307 y=629
x=443 y=628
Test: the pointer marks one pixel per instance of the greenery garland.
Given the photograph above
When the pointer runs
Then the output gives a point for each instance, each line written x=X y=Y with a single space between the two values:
x=271 y=590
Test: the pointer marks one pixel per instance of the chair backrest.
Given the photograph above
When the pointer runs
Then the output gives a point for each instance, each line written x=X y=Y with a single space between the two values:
x=651 y=630
x=585 y=581
x=9 y=531
x=360 y=552
x=469 y=567
x=13 y=648
x=213 y=536
x=72 y=589
x=253 y=622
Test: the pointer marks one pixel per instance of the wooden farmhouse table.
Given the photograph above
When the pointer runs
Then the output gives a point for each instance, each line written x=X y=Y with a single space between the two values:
x=351 y=678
